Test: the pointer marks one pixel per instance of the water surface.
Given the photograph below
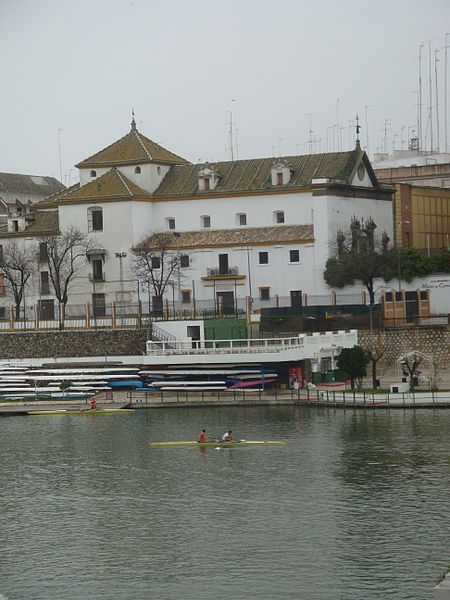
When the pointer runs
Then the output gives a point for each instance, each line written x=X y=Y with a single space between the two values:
x=354 y=507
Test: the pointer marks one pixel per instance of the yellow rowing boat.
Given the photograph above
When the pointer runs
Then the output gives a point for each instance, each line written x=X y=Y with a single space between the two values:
x=80 y=411
x=215 y=444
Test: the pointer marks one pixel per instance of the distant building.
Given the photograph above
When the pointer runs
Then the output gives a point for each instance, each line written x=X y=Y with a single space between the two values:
x=19 y=192
x=422 y=217
x=409 y=166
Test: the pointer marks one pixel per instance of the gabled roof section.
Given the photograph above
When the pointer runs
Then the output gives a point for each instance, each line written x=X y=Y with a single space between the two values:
x=132 y=149
x=277 y=234
x=43 y=223
x=110 y=187
x=254 y=175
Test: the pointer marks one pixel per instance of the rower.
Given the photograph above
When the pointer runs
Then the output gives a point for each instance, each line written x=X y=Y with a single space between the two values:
x=93 y=403
x=202 y=437
x=227 y=436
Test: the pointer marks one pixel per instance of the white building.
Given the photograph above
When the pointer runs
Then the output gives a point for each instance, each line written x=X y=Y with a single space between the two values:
x=246 y=228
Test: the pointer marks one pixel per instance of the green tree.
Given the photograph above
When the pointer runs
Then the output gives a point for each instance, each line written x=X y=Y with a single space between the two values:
x=406 y=263
x=352 y=266
x=354 y=361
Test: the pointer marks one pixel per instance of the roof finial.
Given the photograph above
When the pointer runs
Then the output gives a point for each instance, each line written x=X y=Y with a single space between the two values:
x=358 y=127
x=133 y=122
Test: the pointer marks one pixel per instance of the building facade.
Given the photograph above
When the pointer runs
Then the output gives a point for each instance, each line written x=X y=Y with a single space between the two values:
x=245 y=229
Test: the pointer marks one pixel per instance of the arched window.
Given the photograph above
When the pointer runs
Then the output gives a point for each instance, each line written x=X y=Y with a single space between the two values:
x=93 y=173
x=137 y=170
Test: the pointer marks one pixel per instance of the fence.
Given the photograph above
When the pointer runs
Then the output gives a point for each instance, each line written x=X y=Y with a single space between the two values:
x=343 y=399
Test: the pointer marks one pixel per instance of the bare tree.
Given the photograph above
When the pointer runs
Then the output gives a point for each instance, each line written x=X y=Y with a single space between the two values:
x=156 y=260
x=17 y=263
x=65 y=257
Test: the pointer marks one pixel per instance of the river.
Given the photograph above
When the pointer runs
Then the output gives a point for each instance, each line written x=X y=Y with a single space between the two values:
x=354 y=507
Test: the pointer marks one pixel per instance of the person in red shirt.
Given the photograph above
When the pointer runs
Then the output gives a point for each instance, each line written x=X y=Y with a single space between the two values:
x=202 y=437
x=93 y=404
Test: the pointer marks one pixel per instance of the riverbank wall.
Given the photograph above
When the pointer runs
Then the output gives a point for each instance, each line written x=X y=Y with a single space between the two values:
x=391 y=344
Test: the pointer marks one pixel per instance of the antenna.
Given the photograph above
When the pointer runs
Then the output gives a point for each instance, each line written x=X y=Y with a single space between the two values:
x=387 y=122
x=310 y=140
x=230 y=134
x=59 y=153
x=436 y=60
x=367 y=126
x=430 y=96
x=445 y=93
x=421 y=144
x=337 y=123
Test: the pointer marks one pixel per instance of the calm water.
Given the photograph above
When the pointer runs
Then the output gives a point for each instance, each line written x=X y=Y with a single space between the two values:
x=355 y=507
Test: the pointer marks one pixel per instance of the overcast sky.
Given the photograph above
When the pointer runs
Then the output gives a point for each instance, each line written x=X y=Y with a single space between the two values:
x=72 y=70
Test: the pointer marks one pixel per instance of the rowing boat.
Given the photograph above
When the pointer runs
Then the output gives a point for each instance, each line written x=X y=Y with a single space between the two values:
x=80 y=411
x=215 y=444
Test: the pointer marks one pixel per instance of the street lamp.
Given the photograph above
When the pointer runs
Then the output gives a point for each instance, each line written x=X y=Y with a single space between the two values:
x=398 y=255
x=121 y=256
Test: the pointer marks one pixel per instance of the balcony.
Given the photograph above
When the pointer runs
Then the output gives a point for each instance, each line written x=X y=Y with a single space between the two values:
x=217 y=272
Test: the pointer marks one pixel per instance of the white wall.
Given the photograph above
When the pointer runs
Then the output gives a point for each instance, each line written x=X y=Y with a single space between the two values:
x=148 y=179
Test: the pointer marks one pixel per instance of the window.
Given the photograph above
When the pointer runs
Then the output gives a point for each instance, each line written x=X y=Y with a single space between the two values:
x=294 y=256
x=423 y=295
x=171 y=223
x=184 y=260
x=279 y=178
x=398 y=297
x=206 y=221
x=98 y=305
x=156 y=262
x=2 y=313
x=93 y=173
x=186 y=296
x=263 y=258
x=43 y=252
x=137 y=170
x=206 y=185
x=15 y=225
x=279 y=216
x=2 y=285
x=1 y=255
x=389 y=297
x=241 y=219
x=45 y=284
x=95 y=218
x=264 y=293
x=97 y=269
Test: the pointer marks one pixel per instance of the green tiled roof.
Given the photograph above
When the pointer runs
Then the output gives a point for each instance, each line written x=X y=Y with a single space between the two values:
x=133 y=148
x=254 y=175
x=111 y=186
x=44 y=223
x=55 y=199
x=277 y=234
